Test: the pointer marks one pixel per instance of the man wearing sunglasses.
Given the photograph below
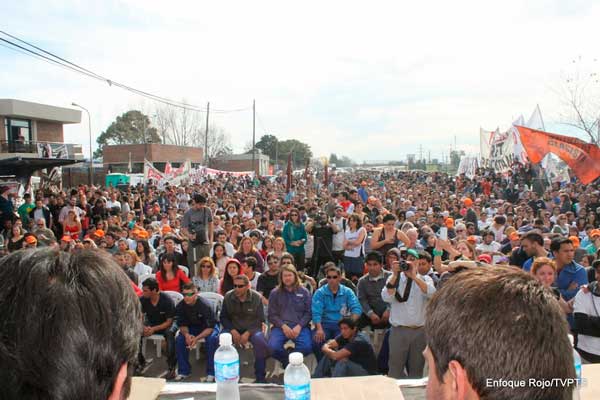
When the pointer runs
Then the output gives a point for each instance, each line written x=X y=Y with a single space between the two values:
x=243 y=315
x=331 y=303
x=196 y=322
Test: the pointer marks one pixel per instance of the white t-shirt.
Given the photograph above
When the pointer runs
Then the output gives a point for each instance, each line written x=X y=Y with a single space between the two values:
x=358 y=250
x=584 y=303
x=110 y=204
x=338 y=238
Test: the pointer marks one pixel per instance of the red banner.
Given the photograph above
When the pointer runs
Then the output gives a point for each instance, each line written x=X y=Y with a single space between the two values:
x=583 y=158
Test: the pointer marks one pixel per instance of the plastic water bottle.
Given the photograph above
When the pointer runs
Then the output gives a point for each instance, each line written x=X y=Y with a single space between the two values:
x=227 y=369
x=577 y=361
x=296 y=380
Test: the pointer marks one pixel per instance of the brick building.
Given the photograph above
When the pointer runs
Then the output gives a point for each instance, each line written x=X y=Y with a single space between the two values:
x=33 y=138
x=116 y=157
x=242 y=162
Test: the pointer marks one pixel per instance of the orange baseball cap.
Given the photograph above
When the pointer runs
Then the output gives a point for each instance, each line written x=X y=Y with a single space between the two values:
x=31 y=239
x=472 y=239
x=143 y=235
x=514 y=236
x=595 y=232
x=99 y=233
x=449 y=222
x=468 y=202
x=166 y=229
x=575 y=241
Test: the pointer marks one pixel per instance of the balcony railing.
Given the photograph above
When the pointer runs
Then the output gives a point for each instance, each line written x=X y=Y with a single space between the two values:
x=43 y=149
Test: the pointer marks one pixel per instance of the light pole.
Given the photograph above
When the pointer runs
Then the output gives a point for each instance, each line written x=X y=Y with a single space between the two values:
x=90 y=132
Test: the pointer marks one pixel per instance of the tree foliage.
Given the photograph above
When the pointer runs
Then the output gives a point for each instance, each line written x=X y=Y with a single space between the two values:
x=132 y=127
x=185 y=127
x=278 y=150
x=579 y=94
x=342 y=162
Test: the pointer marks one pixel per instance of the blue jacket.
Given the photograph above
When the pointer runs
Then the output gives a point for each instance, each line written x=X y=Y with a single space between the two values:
x=328 y=309
x=571 y=273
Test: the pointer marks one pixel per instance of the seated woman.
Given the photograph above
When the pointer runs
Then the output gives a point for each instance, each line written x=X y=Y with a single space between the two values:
x=206 y=278
x=170 y=277
x=232 y=269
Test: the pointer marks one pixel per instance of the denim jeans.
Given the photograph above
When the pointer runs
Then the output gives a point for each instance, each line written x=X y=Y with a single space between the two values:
x=338 y=369
x=277 y=340
x=261 y=353
x=183 y=353
x=331 y=330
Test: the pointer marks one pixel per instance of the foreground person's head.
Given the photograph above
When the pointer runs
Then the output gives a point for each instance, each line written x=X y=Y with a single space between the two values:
x=70 y=326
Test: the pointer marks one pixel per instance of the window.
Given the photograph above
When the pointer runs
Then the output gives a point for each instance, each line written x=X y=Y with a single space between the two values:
x=18 y=130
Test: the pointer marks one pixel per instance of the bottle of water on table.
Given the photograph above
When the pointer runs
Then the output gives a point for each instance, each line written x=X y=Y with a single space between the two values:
x=227 y=369
x=296 y=380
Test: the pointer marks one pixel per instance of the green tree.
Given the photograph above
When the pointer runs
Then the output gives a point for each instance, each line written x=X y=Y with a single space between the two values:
x=300 y=152
x=132 y=127
x=455 y=156
x=271 y=146
x=333 y=159
x=267 y=144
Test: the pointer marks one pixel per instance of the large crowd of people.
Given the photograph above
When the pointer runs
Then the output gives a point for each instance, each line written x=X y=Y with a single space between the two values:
x=320 y=267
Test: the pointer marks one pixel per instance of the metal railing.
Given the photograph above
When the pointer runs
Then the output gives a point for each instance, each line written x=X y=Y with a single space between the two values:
x=42 y=149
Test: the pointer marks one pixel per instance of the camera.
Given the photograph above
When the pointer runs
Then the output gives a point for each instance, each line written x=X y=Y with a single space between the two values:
x=404 y=266
x=321 y=220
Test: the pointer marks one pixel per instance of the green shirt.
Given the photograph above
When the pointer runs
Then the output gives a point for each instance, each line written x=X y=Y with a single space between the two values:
x=24 y=212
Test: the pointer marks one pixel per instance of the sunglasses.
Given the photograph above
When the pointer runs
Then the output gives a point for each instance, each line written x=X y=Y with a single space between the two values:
x=188 y=294
x=293 y=215
x=332 y=277
x=239 y=286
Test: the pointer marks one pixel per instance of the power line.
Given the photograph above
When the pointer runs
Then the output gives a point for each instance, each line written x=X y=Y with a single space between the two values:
x=61 y=62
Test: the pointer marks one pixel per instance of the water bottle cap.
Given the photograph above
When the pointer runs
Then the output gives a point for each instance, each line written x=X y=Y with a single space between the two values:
x=225 y=339
x=296 y=358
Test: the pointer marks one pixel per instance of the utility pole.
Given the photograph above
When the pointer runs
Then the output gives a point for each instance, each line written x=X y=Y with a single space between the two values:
x=420 y=153
x=206 y=136
x=276 y=154
x=253 y=133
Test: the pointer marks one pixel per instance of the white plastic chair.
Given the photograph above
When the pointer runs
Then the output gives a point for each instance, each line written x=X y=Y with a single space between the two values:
x=185 y=269
x=142 y=278
x=216 y=302
x=176 y=297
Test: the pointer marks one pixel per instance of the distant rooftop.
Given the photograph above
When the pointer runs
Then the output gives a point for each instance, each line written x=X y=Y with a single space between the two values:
x=27 y=109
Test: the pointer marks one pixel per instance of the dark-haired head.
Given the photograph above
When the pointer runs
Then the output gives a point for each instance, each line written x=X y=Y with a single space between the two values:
x=70 y=326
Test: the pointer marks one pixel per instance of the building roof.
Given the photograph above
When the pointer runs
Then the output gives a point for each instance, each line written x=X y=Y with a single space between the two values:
x=26 y=109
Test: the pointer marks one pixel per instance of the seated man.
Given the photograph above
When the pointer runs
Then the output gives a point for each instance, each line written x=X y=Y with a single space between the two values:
x=269 y=280
x=496 y=325
x=289 y=313
x=243 y=315
x=196 y=321
x=330 y=303
x=51 y=348
x=344 y=281
x=159 y=313
x=349 y=354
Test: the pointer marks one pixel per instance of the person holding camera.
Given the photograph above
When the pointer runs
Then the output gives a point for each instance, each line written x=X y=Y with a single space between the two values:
x=407 y=292
x=322 y=230
x=197 y=225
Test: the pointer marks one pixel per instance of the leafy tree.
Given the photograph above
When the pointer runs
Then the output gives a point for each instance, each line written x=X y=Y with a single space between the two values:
x=132 y=127
x=271 y=146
